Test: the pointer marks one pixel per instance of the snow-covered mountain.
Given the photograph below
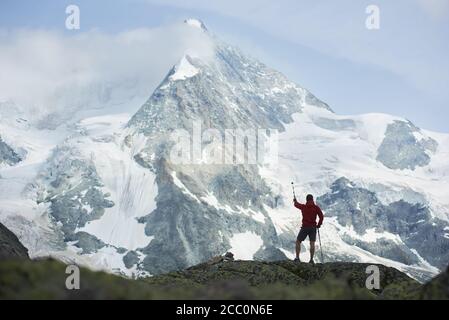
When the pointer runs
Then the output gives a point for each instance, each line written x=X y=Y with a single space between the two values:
x=105 y=191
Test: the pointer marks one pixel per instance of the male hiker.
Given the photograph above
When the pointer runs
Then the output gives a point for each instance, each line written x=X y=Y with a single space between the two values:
x=309 y=213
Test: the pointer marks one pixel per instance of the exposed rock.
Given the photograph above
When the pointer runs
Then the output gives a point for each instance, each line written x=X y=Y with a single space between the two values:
x=437 y=288
x=401 y=149
x=215 y=260
x=334 y=125
x=188 y=229
x=73 y=190
x=87 y=242
x=130 y=259
x=229 y=256
x=10 y=246
x=7 y=154
x=412 y=225
x=269 y=253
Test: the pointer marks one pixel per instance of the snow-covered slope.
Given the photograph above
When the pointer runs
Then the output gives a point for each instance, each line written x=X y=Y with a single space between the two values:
x=103 y=189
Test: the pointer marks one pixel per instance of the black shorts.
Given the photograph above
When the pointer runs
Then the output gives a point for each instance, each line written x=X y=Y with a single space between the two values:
x=307 y=231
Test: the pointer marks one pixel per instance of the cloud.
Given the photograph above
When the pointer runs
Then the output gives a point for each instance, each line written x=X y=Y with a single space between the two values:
x=405 y=45
x=49 y=73
x=437 y=9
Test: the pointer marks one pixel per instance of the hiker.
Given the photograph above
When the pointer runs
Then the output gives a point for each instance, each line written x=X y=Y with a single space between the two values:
x=309 y=213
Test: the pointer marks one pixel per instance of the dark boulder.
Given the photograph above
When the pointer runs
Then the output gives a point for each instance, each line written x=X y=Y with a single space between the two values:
x=10 y=246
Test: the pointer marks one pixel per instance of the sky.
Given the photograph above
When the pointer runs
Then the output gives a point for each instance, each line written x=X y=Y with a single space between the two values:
x=401 y=68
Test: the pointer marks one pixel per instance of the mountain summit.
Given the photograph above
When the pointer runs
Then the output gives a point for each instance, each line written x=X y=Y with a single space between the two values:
x=196 y=23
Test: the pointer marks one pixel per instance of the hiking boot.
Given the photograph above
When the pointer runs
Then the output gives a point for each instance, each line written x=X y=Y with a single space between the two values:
x=311 y=261
x=297 y=260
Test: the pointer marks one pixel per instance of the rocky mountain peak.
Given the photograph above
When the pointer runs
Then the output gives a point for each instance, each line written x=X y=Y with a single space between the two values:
x=195 y=23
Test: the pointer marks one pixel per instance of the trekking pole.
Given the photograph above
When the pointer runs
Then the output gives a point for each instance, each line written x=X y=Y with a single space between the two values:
x=293 y=188
x=321 y=248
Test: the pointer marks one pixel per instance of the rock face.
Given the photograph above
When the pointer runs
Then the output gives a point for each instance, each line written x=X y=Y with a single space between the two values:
x=401 y=148
x=7 y=154
x=437 y=288
x=10 y=246
x=285 y=271
x=74 y=195
x=396 y=227
x=82 y=199
x=190 y=224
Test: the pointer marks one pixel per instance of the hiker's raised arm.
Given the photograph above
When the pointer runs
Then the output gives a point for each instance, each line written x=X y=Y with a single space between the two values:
x=297 y=204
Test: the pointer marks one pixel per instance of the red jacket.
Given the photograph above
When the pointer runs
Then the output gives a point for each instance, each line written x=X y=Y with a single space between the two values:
x=309 y=212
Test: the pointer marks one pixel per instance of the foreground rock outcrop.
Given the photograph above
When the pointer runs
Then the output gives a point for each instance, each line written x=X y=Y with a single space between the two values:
x=45 y=279
x=437 y=288
x=10 y=246
x=289 y=280
x=218 y=278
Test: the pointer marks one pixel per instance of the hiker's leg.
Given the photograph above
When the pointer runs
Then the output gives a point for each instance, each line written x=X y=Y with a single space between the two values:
x=312 y=249
x=298 y=248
